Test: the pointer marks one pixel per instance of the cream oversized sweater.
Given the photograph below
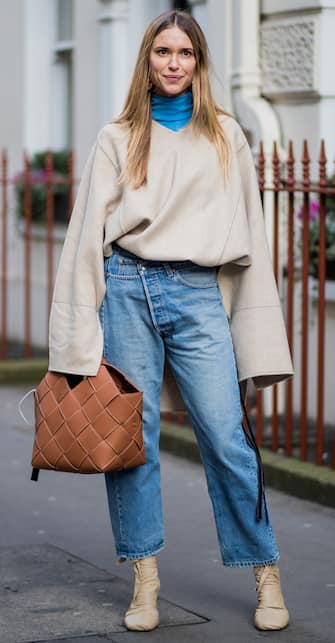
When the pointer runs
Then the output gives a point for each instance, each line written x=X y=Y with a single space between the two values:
x=185 y=211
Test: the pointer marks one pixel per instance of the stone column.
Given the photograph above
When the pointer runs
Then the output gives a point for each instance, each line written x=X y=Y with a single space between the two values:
x=220 y=38
x=86 y=87
x=254 y=113
x=113 y=57
x=37 y=62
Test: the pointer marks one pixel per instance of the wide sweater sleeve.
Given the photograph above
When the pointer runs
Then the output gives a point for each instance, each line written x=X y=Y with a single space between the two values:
x=75 y=334
x=251 y=294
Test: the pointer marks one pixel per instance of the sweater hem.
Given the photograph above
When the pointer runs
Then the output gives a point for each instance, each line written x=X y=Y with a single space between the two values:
x=267 y=373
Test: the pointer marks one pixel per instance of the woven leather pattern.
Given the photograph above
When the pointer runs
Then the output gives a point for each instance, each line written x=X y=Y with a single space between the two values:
x=91 y=428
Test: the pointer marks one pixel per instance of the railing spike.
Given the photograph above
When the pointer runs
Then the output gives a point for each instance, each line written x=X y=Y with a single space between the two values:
x=305 y=165
x=290 y=164
x=306 y=156
x=322 y=165
x=261 y=167
x=275 y=166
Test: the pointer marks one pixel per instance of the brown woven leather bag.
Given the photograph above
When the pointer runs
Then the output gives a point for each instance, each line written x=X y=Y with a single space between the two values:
x=88 y=425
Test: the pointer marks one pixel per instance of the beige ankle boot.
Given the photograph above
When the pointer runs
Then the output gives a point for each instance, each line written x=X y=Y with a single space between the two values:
x=271 y=613
x=142 y=613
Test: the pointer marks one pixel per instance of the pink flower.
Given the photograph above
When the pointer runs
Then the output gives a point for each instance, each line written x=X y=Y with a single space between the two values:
x=313 y=211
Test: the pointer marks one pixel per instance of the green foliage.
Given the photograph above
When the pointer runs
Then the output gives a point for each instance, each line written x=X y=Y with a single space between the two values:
x=38 y=185
x=60 y=161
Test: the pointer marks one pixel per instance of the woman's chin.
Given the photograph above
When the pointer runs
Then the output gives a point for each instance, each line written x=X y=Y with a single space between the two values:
x=170 y=91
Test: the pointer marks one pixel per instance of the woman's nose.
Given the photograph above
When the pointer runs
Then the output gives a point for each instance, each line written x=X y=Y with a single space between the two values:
x=173 y=62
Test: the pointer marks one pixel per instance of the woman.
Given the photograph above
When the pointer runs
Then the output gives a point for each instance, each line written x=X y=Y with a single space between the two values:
x=166 y=257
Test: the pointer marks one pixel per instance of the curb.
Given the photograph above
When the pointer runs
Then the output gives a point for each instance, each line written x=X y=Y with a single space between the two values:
x=301 y=479
x=22 y=371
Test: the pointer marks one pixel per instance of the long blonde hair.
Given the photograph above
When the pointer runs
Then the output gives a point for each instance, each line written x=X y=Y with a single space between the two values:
x=136 y=113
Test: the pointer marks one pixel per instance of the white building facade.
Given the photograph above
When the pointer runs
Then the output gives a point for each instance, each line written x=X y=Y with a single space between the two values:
x=66 y=66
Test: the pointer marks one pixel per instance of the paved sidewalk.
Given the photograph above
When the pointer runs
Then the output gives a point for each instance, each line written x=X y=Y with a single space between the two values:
x=48 y=592
x=60 y=579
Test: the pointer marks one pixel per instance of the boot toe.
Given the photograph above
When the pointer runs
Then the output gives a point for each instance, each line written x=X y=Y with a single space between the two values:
x=271 y=618
x=138 y=620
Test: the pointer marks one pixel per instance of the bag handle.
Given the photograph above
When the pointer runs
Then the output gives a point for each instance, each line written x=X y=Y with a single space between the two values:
x=35 y=472
x=20 y=405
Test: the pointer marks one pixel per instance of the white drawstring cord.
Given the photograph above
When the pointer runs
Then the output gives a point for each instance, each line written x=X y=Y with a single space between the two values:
x=20 y=404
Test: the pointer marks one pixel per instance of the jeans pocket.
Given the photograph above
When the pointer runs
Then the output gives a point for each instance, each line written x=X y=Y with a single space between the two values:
x=118 y=267
x=196 y=276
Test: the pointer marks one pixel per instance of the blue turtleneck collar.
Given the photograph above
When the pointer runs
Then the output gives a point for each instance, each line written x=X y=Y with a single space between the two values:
x=172 y=112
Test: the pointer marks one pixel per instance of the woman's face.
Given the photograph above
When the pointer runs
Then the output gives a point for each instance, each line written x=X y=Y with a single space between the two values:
x=172 y=62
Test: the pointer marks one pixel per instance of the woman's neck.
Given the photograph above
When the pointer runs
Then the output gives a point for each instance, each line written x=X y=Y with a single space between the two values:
x=173 y=112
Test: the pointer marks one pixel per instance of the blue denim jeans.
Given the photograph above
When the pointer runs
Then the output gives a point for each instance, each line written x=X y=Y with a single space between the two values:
x=154 y=311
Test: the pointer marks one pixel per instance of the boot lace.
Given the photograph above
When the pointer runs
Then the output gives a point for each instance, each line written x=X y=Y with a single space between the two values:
x=268 y=587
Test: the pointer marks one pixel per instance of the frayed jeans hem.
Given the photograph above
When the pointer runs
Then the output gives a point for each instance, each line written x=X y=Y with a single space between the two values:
x=253 y=563
x=122 y=556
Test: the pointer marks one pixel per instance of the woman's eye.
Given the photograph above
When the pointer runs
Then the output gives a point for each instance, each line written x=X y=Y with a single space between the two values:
x=185 y=52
